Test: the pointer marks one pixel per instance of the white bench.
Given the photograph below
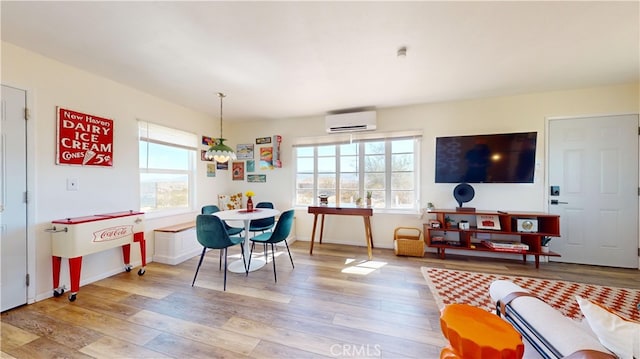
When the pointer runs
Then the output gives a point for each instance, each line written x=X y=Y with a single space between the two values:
x=175 y=244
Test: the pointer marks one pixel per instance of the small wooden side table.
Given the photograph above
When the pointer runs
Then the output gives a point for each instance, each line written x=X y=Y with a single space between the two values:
x=474 y=333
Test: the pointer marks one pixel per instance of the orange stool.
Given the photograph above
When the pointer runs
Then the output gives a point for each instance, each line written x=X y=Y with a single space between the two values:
x=474 y=333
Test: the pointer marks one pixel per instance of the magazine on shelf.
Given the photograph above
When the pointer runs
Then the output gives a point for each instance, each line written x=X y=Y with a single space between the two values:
x=507 y=246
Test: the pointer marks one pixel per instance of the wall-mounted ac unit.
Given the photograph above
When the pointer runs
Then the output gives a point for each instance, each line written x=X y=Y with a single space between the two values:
x=351 y=122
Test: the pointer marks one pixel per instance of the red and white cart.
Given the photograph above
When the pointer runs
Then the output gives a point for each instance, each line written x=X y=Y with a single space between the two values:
x=73 y=238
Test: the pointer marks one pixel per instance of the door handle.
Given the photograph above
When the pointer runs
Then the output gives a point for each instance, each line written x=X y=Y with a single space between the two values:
x=555 y=201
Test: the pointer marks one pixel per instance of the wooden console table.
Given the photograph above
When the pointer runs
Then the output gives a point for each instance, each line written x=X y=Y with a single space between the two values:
x=366 y=214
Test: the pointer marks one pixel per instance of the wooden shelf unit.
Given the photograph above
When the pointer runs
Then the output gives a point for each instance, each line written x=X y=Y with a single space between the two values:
x=548 y=226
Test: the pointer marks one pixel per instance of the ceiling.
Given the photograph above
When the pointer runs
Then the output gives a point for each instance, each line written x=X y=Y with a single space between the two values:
x=296 y=59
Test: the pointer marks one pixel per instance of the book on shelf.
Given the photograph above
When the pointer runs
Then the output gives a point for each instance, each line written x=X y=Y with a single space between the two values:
x=506 y=246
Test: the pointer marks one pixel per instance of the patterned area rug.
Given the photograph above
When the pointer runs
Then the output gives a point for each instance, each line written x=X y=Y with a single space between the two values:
x=453 y=286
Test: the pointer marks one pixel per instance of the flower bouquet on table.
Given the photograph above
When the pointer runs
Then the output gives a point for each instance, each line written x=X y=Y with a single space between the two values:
x=249 y=195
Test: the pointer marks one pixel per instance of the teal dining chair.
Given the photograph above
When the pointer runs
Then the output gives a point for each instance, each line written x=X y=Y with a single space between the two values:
x=211 y=209
x=211 y=233
x=262 y=224
x=233 y=231
x=279 y=234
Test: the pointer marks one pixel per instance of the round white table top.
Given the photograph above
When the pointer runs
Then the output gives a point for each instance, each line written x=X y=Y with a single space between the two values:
x=243 y=215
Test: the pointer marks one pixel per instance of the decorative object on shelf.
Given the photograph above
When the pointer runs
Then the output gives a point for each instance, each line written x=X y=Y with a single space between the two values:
x=430 y=207
x=464 y=193
x=448 y=222
x=488 y=221
x=249 y=195
x=359 y=202
x=221 y=152
x=544 y=244
x=433 y=223
x=527 y=224
x=369 y=194
x=463 y=225
x=324 y=199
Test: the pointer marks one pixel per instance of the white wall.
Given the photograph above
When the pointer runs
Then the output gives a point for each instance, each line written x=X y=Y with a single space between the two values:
x=101 y=190
x=493 y=115
x=50 y=84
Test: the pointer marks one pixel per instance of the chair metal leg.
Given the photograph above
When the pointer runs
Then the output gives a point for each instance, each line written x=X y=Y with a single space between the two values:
x=253 y=244
x=285 y=243
x=244 y=261
x=225 y=270
x=266 y=253
x=220 y=261
x=204 y=250
x=273 y=259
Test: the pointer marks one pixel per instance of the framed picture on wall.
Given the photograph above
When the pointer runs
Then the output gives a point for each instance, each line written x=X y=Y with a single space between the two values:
x=257 y=178
x=237 y=171
x=244 y=151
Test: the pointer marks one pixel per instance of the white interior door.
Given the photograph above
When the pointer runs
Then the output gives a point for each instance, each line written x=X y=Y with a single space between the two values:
x=593 y=174
x=13 y=206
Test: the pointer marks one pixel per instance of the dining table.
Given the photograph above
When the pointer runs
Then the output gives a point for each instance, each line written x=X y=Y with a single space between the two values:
x=246 y=217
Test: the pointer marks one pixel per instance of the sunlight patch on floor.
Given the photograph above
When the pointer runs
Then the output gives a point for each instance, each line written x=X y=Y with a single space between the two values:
x=362 y=267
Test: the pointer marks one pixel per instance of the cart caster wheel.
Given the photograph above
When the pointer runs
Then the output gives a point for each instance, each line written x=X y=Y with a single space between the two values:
x=72 y=297
x=58 y=292
x=128 y=268
x=141 y=271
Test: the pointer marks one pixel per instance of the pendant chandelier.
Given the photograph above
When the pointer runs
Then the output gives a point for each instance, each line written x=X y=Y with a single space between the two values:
x=219 y=151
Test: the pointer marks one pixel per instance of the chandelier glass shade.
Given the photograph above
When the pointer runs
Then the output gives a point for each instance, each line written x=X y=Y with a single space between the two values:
x=218 y=150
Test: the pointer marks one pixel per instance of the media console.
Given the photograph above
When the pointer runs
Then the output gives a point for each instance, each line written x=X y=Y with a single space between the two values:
x=498 y=233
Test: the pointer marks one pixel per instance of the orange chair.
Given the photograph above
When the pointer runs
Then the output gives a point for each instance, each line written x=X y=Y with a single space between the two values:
x=474 y=333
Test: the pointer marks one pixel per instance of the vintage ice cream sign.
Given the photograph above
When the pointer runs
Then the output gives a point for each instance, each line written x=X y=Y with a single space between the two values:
x=84 y=139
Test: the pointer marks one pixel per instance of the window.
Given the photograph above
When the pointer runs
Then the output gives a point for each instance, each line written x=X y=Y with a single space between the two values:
x=167 y=168
x=346 y=171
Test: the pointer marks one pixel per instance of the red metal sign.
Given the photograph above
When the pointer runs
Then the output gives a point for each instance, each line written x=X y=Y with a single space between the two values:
x=83 y=139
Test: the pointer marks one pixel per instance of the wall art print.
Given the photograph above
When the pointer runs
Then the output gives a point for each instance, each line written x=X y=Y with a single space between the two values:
x=251 y=166
x=237 y=171
x=244 y=151
x=266 y=158
x=83 y=139
x=211 y=169
x=256 y=178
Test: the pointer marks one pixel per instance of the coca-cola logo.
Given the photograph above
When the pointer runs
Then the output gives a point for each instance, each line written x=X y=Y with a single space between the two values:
x=111 y=233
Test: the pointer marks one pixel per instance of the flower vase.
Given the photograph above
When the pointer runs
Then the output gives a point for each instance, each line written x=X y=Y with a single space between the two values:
x=249 y=204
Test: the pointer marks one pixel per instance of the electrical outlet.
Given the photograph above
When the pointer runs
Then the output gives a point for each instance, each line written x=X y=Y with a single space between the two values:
x=72 y=184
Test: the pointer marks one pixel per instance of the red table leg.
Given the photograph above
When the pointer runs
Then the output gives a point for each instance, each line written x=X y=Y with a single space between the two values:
x=55 y=264
x=75 y=267
x=139 y=237
x=126 y=254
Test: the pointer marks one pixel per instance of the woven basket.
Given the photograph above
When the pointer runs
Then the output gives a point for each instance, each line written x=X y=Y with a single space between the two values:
x=407 y=241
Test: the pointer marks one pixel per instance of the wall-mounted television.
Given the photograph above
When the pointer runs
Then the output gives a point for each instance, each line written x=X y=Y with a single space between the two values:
x=493 y=158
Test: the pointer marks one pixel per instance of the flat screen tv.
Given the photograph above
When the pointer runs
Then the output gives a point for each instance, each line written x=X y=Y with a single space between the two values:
x=497 y=158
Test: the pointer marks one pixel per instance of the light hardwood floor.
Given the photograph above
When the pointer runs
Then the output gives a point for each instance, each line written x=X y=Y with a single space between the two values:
x=333 y=304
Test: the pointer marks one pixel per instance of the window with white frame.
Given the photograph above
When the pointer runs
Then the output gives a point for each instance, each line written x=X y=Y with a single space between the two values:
x=167 y=168
x=386 y=166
